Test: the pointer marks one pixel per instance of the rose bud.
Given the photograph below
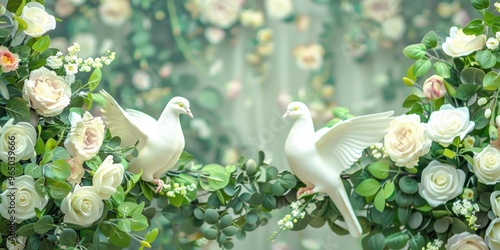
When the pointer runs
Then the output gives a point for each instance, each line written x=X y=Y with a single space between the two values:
x=434 y=87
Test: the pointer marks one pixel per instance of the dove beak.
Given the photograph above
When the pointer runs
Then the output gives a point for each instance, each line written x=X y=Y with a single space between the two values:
x=286 y=114
x=188 y=112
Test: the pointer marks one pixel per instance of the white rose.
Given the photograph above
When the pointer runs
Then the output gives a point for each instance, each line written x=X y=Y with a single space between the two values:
x=14 y=243
x=86 y=136
x=406 y=140
x=309 y=57
x=17 y=142
x=115 y=12
x=440 y=183
x=466 y=241
x=107 y=178
x=492 y=236
x=252 y=18
x=449 y=122
x=37 y=19
x=459 y=44
x=221 y=13
x=487 y=165
x=82 y=206
x=19 y=203
x=46 y=92
x=77 y=170
x=279 y=9
x=495 y=203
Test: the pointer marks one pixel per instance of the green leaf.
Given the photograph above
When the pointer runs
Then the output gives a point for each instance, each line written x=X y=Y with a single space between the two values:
x=466 y=91
x=408 y=185
x=95 y=79
x=288 y=181
x=151 y=235
x=397 y=240
x=379 y=169
x=379 y=201
x=430 y=40
x=486 y=59
x=480 y=4
x=489 y=18
x=417 y=242
x=45 y=224
x=472 y=76
x=230 y=231
x=217 y=177
x=6 y=26
x=210 y=234
x=416 y=220
x=421 y=67
x=495 y=27
x=61 y=169
x=442 y=69
x=41 y=44
x=18 y=109
x=448 y=153
x=474 y=27
x=368 y=187
x=26 y=230
x=119 y=238
x=67 y=237
x=58 y=190
x=211 y=216
x=33 y=170
x=411 y=100
x=138 y=222
x=389 y=188
x=404 y=214
x=377 y=242
x=415 y=51
x=491 y=81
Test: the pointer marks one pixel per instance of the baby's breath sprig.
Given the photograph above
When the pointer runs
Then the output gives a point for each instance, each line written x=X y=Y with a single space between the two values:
x=299 y=209
x=467 y=209
x=173 y=189
x=434 y=245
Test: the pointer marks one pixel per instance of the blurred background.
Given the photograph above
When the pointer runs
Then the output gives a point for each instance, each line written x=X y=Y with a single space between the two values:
x=241 y=62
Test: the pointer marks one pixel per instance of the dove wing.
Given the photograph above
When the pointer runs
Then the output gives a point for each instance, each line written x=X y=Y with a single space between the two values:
x=122 y=124
x=342 y=144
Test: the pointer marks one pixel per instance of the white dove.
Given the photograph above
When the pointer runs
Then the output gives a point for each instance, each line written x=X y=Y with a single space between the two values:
x=318 y=158
x=161 y=141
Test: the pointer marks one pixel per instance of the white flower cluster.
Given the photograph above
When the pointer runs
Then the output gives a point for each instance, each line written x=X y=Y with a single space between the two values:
x=465 y=208
x=378 y=151
x=293 y=217
x=73 y=64
x=497 y=6
x=175 y=188
x=435 y=245
x=493 y=42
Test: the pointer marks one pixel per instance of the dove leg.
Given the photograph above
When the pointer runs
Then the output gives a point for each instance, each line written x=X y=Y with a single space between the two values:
x=304 y=191
x=160 y=184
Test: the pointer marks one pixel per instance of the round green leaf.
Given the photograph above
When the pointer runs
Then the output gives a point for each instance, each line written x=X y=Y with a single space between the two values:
x=474 y=27
x=404 y=214
x=472 y=76
x=430 y=40
x=210 y=234
x=417 y=242
x=397 y=240
x=379 y=169
x=230 y=231
x=480 y=4
x=415 y=51
x=441 y=225
x=415 y=220
x=486 y=59
x=377 y=241
x=442 y=69
x=211 y=216
x=368 y=187
x=421 y=67
x=226 y=221
x=491 y=81
x=408 y=185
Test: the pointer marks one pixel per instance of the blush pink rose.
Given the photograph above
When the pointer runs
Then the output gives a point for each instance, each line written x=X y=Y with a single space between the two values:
x=8 y=61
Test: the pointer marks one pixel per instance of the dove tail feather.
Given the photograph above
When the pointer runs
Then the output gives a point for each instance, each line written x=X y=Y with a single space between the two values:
x=341 y=200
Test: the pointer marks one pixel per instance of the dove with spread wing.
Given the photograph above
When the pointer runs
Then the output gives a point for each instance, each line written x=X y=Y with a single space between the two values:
x=318 y=158
x=161 y=141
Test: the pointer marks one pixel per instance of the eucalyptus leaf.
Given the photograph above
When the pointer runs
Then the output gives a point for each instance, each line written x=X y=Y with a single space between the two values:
x=491 y=81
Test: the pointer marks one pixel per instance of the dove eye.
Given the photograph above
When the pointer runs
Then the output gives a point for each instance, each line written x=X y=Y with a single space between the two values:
x=181 y=105
x=295 y=108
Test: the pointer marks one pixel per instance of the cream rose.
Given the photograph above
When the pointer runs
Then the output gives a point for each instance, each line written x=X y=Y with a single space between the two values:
x=107 y=178
x=449 y=122
x=492 y=236
x=495 y=203
x=46 y=92
x=8 y=61
x=115 y=12
x=77 y=170
x=37 y=19
x=466 y=241
x=214 y=35
x=440 y=183
x=221 y=13
x=394 y=28
x=459 y=44
x=17 y=142
x=487 y=165
x=434 y=87
x=19 y=203
x=252 y=18
x=309 y=57
x=279 y=9
x=86 y=136
x=82 y=206
x=406 y=140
